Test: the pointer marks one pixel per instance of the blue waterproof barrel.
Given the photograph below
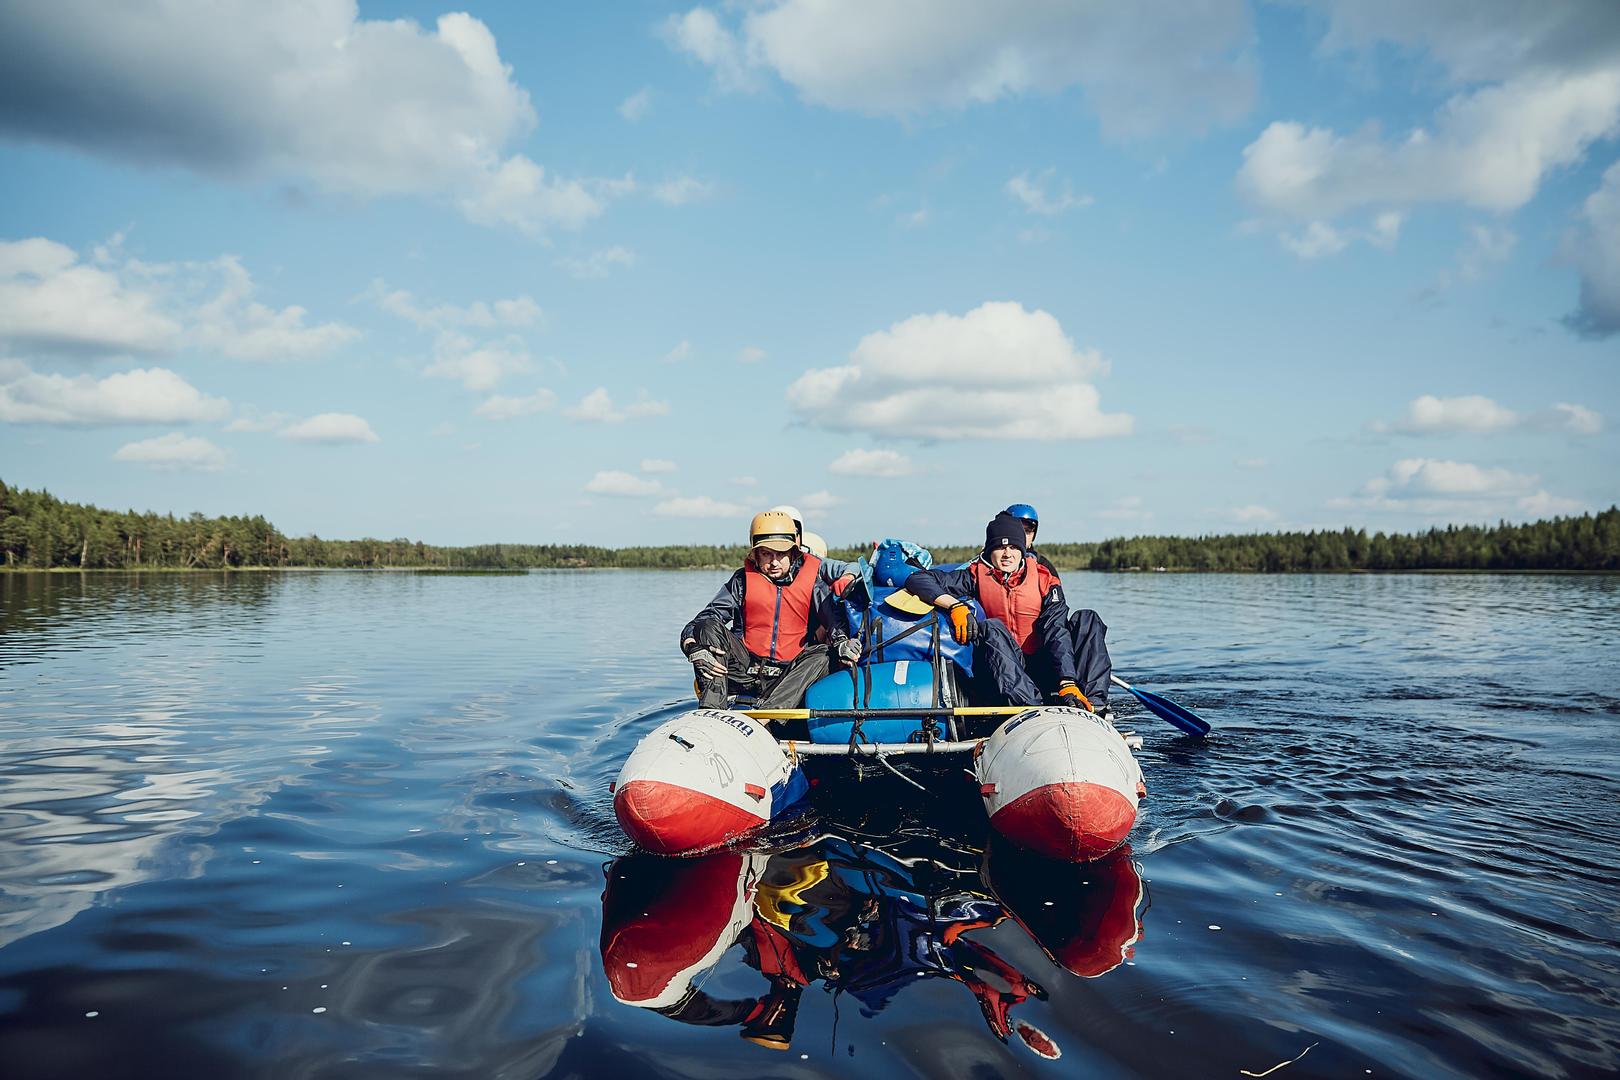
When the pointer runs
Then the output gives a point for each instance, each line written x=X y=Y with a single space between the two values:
x=887 y=685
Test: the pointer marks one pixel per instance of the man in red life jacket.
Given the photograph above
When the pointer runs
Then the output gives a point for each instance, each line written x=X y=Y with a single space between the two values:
x=1092 y=666
x=1023 y=646
x=759 y=633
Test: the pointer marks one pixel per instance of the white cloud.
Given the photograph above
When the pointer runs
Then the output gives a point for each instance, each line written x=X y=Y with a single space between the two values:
x=751 y=354
x=597 y=407
x=682 y=190
x=1490 y=149
x=637 y=105
x=306 y=94
x=613 y=482
x=1386 y=229
x=142 y=396
x=1430 y=415
x=1140 y=71
x=477 y=365
x=745 y=481
x=916 y=219
x=598 y=264
x=1543 y=504
x=657 y=465
x=997 y=372
x=1253 y=514
x=871 y=463
x=236 y=325
x=1595 y=250
x=1474 y=413
x=173 y=452
x=516 y=311
x=1034 y=197
x=678 y=353
x=1571 y=419
x=701 y=506
x=699 y=34
x=51 y=301
x=818 y=502
x=504 y=407
x=1318 y=239
x=1253 y=464
x=332 y=429
x=1487 y=249
x=1456 y=489
x=252 y=421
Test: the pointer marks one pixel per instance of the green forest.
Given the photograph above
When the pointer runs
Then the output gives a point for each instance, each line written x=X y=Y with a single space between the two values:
x=41 y=532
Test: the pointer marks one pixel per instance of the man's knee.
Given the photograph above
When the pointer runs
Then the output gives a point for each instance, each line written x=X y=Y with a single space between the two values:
x=711 y=634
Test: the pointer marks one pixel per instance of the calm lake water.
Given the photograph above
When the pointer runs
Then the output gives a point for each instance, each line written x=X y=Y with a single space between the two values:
x=358 y=825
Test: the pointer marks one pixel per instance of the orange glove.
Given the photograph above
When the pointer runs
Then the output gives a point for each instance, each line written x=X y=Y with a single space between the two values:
x=964 y=627
x=1067 y=689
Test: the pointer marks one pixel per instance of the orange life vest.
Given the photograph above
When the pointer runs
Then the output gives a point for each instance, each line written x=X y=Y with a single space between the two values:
x=776 y=618
x=1014 y=599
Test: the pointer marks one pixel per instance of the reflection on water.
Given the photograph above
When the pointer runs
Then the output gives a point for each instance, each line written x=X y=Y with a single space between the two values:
x=865 y=918
x=356 y=824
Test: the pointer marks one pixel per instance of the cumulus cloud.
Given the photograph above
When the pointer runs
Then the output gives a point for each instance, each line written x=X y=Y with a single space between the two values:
x=637 y=105
x=142 y=396
x=1318 y=239
x=253 y=421
x=997 y=372
x=1474 y=413
x=751 y=354
x=234 y=324
x=1455 y=488
x=332 y=429
x=1034 y=196
x=505 y=407
x=598 y=264
x=1141 y=71
x=1490 y=149
x=480 y=314
x=1595 y=250
x=613 y=482
x=700 y=506
x=51 y=301
x=678 y=353
x=818 y=502
x=477 y=365
x=307 y=94
x=597 y=407
x=1430 y=415
x=657 y=465
x=173 y=452
x=871 y=463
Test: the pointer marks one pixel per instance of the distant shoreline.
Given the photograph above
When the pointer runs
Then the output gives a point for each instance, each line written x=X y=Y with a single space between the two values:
x=496 y=571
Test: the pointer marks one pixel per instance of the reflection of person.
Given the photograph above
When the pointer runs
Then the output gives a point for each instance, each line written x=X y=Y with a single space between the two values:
x=1092 y=667
x=758 y=634
x=1024 y=637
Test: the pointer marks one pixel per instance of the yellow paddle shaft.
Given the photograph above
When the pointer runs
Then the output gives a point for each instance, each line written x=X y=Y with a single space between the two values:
x=805 y=714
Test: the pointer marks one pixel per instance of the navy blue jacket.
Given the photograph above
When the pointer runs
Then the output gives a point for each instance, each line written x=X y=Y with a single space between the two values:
x=727 y=605
x=1051 y=625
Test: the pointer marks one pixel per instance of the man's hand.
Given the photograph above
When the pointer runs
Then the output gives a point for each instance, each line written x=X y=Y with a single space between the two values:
x=964 y=627
x=706 y=664
x=1069 y=691
x=848 y=650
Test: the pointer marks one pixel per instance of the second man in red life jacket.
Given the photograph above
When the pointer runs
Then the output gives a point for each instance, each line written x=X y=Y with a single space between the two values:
x=759 y=633
x=1023 y=646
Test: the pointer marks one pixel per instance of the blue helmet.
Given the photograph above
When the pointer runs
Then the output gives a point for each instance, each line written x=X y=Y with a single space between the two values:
x=894 y=560
x=1024 y=512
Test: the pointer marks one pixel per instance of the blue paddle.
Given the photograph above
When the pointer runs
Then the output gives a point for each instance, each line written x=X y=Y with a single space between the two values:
x=1165 y=709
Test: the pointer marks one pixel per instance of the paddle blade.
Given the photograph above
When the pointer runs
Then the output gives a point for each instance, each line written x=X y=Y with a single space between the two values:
x=1165 y=709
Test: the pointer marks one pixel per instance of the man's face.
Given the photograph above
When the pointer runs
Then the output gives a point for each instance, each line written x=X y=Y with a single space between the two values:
x=1006 y=559
x=773 y=564
x=1029 y=534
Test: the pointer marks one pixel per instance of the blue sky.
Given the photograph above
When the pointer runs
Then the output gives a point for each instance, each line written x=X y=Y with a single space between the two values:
x=626 y=273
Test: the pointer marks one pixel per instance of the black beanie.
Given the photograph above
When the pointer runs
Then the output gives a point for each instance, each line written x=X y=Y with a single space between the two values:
x=1007 y=528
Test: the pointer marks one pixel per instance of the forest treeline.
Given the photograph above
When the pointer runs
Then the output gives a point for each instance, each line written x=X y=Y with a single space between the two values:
x=39 y=531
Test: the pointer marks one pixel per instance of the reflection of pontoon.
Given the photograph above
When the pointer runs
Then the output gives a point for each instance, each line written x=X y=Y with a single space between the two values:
x=860 y=919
